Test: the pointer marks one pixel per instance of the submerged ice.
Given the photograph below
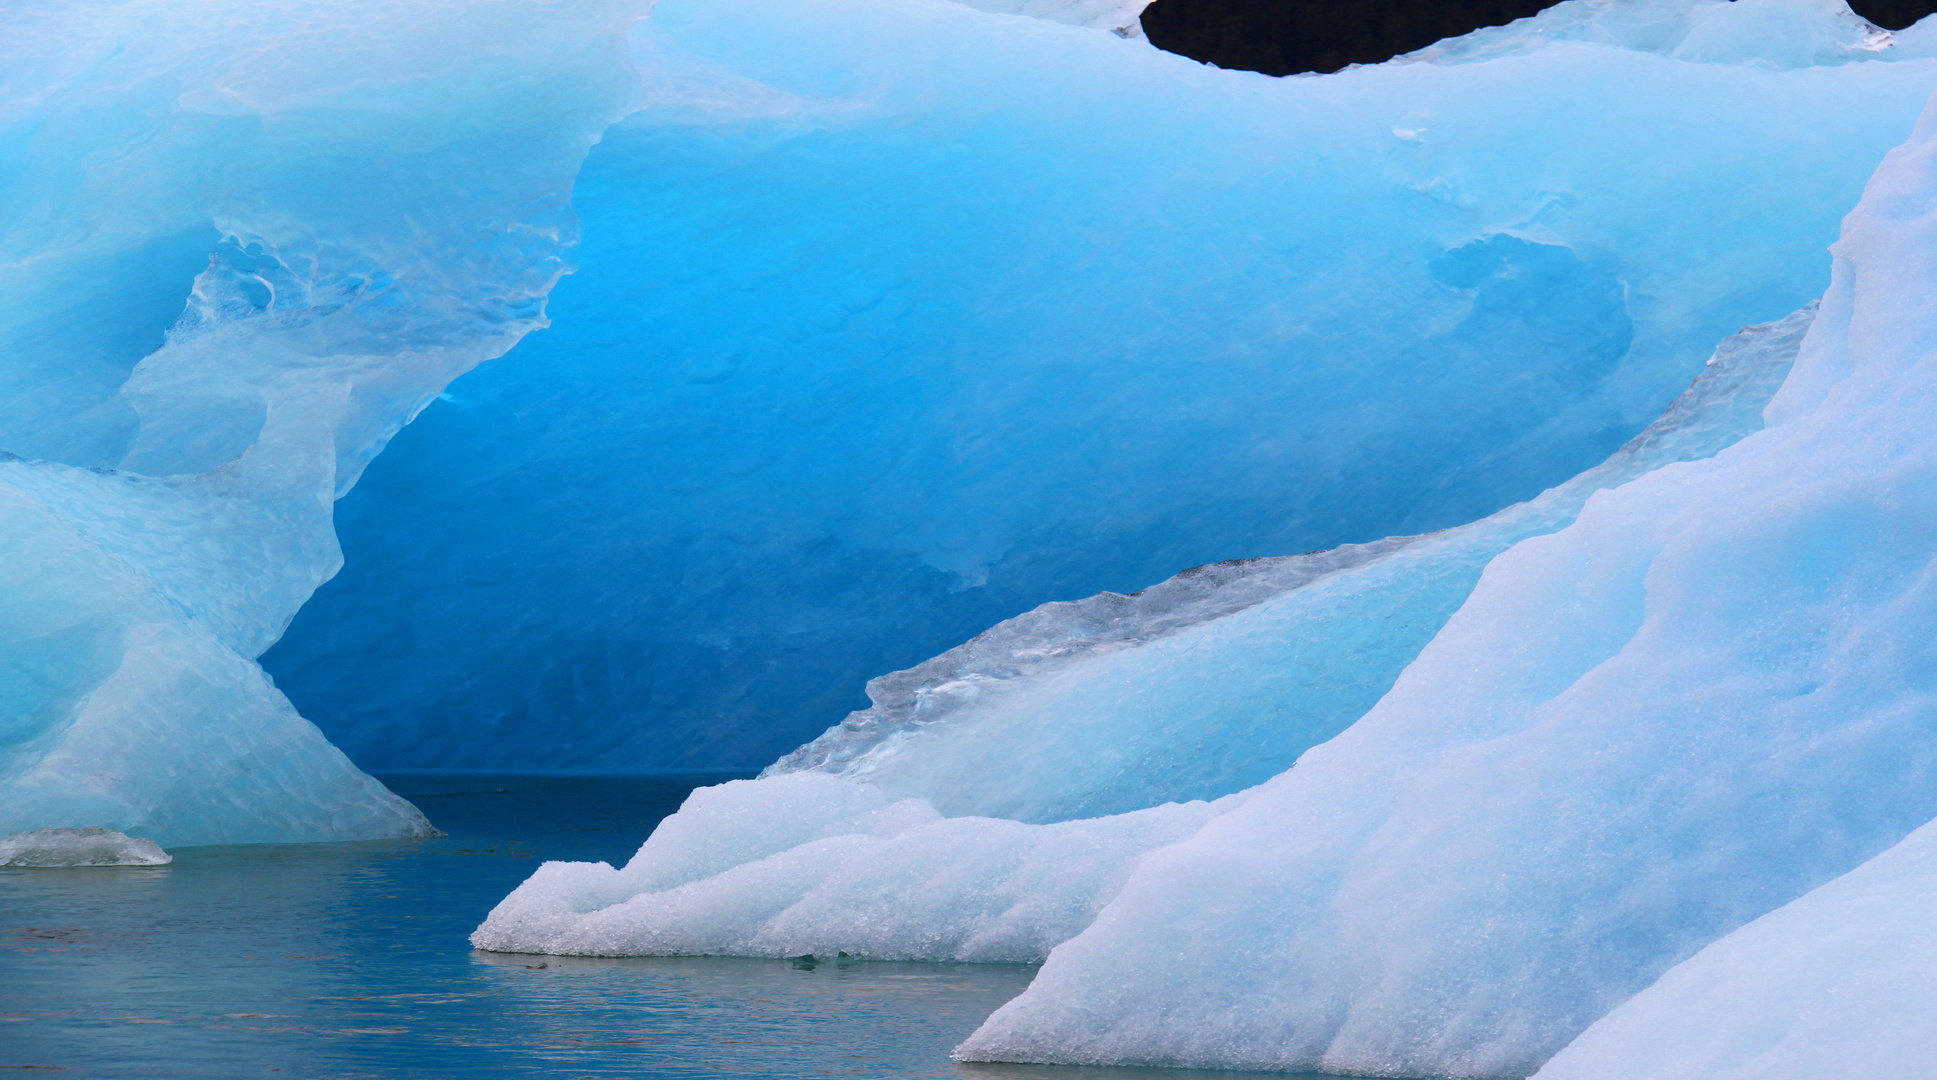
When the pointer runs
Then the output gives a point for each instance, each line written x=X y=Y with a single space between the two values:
x=80 y=847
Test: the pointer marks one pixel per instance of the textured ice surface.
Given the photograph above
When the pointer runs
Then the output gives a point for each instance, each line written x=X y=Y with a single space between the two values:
x=803 y=862
x=1842 y=982
x=1118 y=702
x=1121 y=17
x=233 y=262
x=1766 y=33
x=881 y=340
x=813 y=864
x=79 y=847
x=1706 y=697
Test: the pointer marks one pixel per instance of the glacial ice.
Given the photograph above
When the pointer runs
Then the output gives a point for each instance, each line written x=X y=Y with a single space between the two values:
x=809 y=864
x=80 y=847
x=1233 y=670
x=232 y=264
x=1836 y=983
x=877 y=343
x=801 y=861
x=981 y=310
x=1665 y=752
x=1705 y=698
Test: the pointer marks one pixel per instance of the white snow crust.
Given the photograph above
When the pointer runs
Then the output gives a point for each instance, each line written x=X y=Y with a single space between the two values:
x=1841 y=982
x=808 y=864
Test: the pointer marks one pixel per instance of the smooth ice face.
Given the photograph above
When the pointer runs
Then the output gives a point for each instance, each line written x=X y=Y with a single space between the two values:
x=232 y=265
x=80 y=847
x=1837 y=983
x=1219 y=678
x=895 y=320
x=1706 y=697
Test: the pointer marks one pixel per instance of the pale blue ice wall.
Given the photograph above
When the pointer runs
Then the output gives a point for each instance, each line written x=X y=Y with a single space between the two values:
x=242 y=242
x=877 y=342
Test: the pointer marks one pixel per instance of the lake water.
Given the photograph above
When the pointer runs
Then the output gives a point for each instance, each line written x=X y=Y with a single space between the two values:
x=351 y=960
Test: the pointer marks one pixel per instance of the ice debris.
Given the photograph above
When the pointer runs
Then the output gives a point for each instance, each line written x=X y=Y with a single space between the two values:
x=80 y=847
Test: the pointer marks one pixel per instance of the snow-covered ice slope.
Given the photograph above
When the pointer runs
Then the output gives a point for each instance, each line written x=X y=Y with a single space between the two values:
x=1842 y=982
x=895 y=319
x=803 y=862
x=1706 y=697
x=241 y=243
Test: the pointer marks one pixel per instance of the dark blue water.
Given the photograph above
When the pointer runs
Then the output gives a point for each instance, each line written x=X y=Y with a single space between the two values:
x=351 y=960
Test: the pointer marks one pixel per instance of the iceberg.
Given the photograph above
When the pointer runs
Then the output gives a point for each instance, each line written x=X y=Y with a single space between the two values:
x=1704 y=699
x=80 y=847
x=242 y=244
x=1642 y=784
x=1129 y=702
x=894 y=319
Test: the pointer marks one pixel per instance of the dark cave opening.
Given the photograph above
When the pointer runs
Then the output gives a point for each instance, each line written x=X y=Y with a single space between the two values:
x=1288 y=37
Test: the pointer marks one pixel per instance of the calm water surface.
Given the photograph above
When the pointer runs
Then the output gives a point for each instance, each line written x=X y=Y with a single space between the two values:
x=351 y=960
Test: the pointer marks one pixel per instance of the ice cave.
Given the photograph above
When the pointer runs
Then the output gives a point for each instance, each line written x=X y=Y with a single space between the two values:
x=1427 y=570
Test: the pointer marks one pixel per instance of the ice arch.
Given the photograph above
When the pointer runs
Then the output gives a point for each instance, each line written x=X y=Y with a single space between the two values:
x=870 y=351
x=975 y=310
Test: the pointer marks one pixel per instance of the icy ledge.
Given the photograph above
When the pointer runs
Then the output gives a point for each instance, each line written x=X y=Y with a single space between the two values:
x=80 y=847
x=1219 y=678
